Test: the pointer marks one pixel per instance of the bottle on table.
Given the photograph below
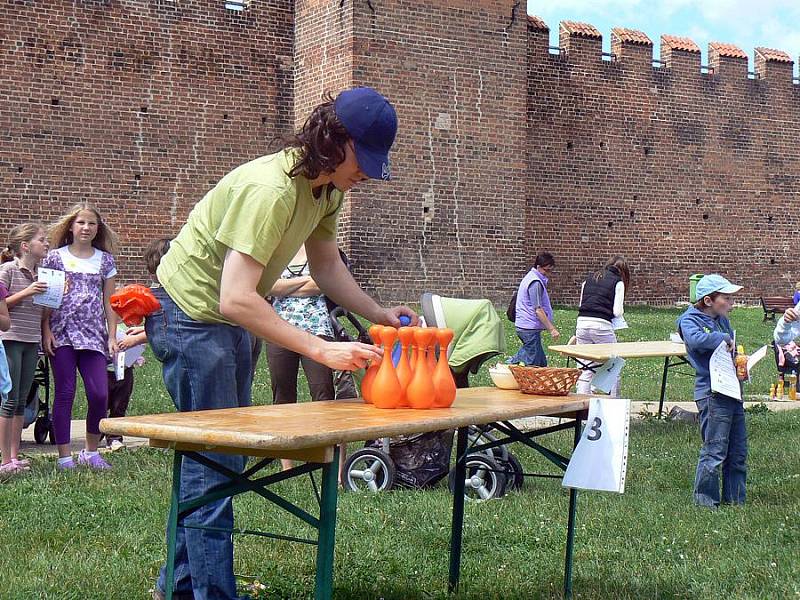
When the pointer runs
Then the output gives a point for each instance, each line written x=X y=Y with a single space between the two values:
x=772 y=390
x=779 y=391
x=741 y=364
x=793 y=386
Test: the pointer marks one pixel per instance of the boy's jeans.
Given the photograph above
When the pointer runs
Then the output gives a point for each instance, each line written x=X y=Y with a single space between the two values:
x=722 y=428
x=205 y=366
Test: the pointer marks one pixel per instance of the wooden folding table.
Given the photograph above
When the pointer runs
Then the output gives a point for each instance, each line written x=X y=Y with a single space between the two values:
x=310 y=432
x=591 y=356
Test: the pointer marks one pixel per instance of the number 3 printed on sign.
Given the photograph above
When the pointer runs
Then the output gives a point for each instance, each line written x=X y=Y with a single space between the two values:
x=594 y=431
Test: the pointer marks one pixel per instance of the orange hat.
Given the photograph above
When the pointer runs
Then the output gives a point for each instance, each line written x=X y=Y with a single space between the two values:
x=133 y=303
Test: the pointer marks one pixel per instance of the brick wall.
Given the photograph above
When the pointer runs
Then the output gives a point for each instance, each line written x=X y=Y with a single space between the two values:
x=449 y=221
x=137 y=106
x=505 y=147
x=681 y=171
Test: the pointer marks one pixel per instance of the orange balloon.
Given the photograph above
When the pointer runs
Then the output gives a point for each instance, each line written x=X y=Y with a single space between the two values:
x=372 y=370
x=386 y=390
x=404 y=372
x=443 y=380
x=421 y=393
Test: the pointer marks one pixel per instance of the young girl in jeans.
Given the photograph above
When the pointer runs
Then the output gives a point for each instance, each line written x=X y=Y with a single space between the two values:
x=27 y=246
x=602 y=300
x=703 y=328
x=81 y=333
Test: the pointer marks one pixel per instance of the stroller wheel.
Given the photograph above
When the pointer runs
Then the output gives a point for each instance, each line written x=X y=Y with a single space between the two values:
x=485 y=479
x=42 y=429
x=370 y=470
x=514 y=473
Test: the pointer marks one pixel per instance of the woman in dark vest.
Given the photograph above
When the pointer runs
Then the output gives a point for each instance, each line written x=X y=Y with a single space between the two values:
x=602 y=300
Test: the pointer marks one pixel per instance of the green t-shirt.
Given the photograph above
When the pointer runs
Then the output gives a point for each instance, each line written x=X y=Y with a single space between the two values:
x=256 y=209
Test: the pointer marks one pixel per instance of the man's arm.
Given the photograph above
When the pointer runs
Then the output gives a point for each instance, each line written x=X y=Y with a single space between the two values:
x=241 y=303
x=336 y=282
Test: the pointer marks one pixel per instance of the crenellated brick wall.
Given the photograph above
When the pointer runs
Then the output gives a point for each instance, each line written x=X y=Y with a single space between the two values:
x=506 y=146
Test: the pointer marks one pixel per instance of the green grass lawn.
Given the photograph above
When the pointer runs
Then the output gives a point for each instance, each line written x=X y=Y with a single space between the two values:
x=87 y=535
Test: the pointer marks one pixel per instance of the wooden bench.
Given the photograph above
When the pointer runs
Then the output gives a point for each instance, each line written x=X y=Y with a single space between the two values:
x=775 y=304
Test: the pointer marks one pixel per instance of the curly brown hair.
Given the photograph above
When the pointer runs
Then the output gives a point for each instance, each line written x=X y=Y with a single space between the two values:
x=320 y=143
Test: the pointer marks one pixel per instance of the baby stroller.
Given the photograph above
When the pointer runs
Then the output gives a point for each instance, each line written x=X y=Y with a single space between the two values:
x=422 y=460
x=37 y=405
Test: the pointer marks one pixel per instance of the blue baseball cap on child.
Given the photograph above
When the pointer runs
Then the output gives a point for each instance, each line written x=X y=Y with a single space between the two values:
x=371 y=121
x=715 y=283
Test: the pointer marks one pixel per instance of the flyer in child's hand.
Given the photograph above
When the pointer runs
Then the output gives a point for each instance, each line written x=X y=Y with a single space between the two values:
x=55 y=288
x=723 y=373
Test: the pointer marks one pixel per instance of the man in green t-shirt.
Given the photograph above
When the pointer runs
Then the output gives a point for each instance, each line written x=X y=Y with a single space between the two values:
x=233 y=247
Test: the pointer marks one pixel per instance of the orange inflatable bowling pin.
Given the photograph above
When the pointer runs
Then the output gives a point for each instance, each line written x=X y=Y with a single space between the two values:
x=432 y=354
x=443 y=381
x=404 y=372
x=386 y=390
x=372 y=370
x=420 y=392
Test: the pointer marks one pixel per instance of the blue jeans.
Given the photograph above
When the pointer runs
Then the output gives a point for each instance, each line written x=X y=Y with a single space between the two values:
x=532 y=352
x=724 y=436
x=205 y=366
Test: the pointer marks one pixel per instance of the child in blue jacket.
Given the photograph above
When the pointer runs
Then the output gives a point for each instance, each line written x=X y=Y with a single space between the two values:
x=703 y=328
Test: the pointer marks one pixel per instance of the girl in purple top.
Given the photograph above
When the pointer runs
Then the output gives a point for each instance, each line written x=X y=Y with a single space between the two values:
x=81 y=334
x=534 y=312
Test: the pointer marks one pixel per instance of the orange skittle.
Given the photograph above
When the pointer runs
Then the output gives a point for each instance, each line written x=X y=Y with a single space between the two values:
x=386 y=391
x=372 y=370
x=420 y=392
x=443 y=381
x=404 y=371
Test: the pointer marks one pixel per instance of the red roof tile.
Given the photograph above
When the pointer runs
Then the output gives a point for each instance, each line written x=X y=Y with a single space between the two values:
x=728 y=50
x=632 y=36
x=772 y=54
x=537 y=23
x=581 y=29
x=679 y=43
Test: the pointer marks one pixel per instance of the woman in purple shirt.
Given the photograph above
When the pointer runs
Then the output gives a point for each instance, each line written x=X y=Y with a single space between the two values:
x=534 y=312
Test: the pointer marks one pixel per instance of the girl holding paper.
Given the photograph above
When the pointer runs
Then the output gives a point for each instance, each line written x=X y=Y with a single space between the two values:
x=27 y=246
x=81 y=333
x=601 y=303
x=704 y=327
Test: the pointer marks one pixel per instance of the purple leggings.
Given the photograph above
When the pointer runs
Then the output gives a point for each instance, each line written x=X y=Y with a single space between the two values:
x=92 y=365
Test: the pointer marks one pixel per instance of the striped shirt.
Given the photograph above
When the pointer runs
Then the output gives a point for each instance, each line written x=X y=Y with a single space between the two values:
x=26 y=317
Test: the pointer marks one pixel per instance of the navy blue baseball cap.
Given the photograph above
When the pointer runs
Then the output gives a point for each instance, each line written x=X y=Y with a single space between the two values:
x=371 y=121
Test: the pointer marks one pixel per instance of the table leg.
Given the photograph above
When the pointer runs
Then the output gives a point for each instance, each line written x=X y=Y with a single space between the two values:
x=457 y=527
x=327 y=529
x=573 y=509
x=663 y=387
x=172 y=523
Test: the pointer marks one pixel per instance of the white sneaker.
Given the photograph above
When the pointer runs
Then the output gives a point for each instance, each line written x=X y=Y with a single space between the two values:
x=116 y=445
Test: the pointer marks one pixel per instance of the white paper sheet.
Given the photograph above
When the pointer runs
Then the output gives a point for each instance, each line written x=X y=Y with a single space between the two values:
x=131 y=354
x=723 y=373
x=606 y=375
x=55 y=281
x=756 y=357
x=600 y=460
x=619 y=323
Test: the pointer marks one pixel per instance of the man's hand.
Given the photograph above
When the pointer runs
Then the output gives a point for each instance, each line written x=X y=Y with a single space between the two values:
x=555 y=333
x=391 y=316
x=790 y=316
x=348 y=356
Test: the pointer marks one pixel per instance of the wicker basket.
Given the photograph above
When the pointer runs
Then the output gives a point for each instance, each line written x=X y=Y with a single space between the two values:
x=545 y=381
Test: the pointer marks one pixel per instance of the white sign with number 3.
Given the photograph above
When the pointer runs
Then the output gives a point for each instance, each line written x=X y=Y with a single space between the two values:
x=600 y=460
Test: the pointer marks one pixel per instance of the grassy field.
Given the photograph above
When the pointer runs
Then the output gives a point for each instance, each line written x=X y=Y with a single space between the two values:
x=101 y=536
x=86 y=536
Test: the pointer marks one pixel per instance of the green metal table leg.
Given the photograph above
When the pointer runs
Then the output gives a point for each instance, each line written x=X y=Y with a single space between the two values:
x=172 y=523
x=457 y=527
x=573 y=508
x=663 y=387
x=327 y=529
